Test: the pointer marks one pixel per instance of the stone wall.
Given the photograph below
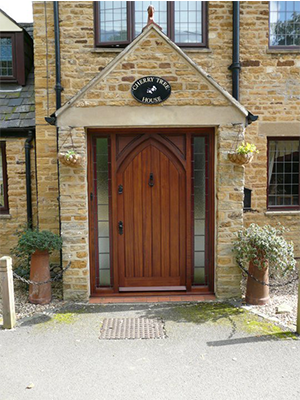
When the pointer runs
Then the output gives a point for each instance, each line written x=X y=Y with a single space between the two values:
x=74 y=217
x=16 y=172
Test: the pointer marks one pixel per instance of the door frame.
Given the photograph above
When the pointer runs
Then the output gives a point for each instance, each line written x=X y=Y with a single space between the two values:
x=210 y=225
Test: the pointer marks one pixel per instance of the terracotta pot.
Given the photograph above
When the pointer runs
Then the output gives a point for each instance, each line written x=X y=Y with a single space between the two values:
x=40 y=272
x=256 y=293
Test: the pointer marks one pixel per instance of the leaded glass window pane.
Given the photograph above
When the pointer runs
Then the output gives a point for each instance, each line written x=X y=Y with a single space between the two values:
x=6 y=66
x=285 y=23
x=283 y=173
x=113 y=21
x=141 y=15
x=188 y=21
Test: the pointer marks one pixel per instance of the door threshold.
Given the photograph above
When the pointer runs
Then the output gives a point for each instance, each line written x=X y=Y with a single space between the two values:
x=153 y=298
x=153 y=289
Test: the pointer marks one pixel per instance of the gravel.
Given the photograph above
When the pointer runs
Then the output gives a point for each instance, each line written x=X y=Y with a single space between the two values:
x=285 y=295
x=26 y=309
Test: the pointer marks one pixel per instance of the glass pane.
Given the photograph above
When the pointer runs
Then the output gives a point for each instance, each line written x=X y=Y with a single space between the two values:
x=283 y=172
x=1 y=180
x=113 y=21
x=104 y=277
x=284 y=17
x=6 y=57
x=102 y=183
x=188 y=21
x=199 y=276
x=199 y=172
x=141 y=15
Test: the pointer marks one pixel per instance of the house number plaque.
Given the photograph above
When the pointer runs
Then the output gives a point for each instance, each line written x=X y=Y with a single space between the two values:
x=151 y=90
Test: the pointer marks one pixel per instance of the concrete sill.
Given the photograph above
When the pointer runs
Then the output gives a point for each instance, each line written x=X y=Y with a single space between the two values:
x=198 y=50
x=107 y=50
x=291 y=212
x=5 y=216
x=118 y=50
x=283 y=51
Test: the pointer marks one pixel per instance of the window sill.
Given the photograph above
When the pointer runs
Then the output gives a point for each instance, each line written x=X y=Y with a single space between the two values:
x=5 y=216
x=116 y=50
x=283 y=51
x=279 y=212
x=196 y=50
x=107 y=49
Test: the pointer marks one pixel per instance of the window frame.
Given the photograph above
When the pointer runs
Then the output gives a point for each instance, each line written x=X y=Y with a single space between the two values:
x=13 y=77
x=4 y=209
x=279 y=47
x=284 y=207
x=131 y=26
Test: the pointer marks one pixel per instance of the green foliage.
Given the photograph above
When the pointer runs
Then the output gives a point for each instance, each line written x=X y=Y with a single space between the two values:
x=246 y=148
x=263 y=245
x=69 y=154
x=31 y=240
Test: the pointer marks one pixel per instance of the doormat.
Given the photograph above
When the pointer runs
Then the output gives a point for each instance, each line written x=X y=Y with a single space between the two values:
x=132 y=328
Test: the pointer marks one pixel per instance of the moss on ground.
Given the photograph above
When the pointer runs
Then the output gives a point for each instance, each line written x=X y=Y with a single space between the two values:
x=226 y=314
x=63 y=318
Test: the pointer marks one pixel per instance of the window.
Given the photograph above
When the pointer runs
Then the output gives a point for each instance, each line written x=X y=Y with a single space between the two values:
x=3 y=181
x=7 y=59
x=284 y=24
x=283 y=173
x=117 y=23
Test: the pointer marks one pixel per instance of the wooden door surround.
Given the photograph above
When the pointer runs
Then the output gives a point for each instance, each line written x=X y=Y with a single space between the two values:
x=151 y=226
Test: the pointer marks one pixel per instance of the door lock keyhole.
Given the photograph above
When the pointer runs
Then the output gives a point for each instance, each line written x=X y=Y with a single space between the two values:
x=151 y=180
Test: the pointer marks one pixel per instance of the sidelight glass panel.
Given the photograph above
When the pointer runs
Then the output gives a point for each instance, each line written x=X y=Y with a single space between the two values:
x=199 y=202
x=102 y=185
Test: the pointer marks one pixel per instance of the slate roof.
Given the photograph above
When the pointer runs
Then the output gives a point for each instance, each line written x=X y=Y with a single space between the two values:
x=17 y=108
x=28 y=26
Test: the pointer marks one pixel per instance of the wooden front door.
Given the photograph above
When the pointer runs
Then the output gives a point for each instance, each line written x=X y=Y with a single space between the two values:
x=151 y=210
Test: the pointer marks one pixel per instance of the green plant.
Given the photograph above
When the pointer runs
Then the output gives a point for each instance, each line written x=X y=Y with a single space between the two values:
x=30 y=240
x=69 y=154
x=246 y=148
x=264 y=246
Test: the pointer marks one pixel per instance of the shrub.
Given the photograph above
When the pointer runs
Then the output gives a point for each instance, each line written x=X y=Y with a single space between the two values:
x=264 y=245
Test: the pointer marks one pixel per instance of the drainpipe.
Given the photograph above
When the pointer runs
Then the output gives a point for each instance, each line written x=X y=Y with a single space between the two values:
x=58 y=89
x=28 y=146
x=235 y=66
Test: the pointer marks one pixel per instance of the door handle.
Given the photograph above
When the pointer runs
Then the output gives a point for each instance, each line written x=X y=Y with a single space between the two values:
x=120 y=227
x=151 y=180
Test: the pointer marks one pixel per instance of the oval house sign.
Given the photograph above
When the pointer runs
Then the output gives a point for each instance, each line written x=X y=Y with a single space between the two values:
x=151 y=90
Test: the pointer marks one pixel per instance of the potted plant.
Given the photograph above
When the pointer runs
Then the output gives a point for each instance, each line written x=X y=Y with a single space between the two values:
x=243 y=154
x=70 y=158
x=36 y=246
x=265 y=250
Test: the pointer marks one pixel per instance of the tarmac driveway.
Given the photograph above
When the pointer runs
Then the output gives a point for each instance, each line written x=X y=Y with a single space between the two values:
x=212 y=351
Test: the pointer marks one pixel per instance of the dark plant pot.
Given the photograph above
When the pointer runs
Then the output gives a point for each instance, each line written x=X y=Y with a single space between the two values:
x=40 y=272
x=256 y=293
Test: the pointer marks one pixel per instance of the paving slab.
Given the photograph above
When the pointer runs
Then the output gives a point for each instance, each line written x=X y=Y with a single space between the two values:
x=211 y=351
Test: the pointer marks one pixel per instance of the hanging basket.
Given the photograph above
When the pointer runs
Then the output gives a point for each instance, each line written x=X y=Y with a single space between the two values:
x=240 y=159
x=71 y=160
